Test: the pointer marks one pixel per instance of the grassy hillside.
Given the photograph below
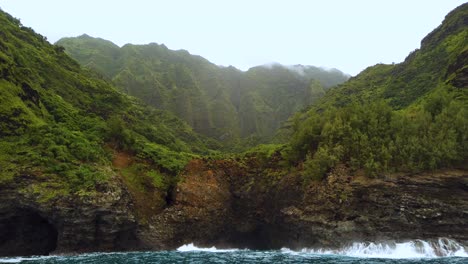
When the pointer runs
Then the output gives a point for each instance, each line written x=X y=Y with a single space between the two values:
x=223 y=103
x=68 y=126
x=410 y=116
x=63 y=124
x=442 y=58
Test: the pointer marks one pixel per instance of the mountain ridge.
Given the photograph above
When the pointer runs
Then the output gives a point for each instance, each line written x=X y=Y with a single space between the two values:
x=86 y=168
x=183 y=83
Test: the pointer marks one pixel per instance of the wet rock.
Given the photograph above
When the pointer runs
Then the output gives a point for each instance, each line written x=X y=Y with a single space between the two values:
x=229 y=203
x=102 y=221
x=225 y=203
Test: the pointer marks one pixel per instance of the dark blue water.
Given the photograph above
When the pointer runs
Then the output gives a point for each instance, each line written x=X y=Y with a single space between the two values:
x=440 y=251
x=243 y=256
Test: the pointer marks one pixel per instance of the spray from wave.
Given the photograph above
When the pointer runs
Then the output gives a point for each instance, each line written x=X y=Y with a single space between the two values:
x=21 y=259
x=442 y=247
x=448 y=250
x=191 y=247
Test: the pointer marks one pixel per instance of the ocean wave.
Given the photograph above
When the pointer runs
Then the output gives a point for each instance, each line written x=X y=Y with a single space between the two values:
x=21 y=259
x=191 y=247
x=414 y=249
x=442 y=247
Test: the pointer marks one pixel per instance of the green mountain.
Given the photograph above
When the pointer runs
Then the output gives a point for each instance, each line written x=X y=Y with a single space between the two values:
x=223 y=103
x=86 y=168
x=441 y=59
x=63 y=123
x=410 y=116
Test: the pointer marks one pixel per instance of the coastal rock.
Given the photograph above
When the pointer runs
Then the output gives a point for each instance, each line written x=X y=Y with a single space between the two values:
x=227 y=203
x=222 y=203
x=98 y=221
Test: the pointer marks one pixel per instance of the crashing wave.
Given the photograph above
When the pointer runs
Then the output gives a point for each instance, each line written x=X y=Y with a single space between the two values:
x=191 y=247
x=21 y=259
x=442 y=247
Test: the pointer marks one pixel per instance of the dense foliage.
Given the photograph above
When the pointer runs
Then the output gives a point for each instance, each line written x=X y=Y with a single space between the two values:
x=64 y=124
x=223 y=103
x=407 y=117
x=377 y=139
x=68 y=126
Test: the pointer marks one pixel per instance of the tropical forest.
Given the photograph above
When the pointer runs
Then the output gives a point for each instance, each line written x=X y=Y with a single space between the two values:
x=139 y=147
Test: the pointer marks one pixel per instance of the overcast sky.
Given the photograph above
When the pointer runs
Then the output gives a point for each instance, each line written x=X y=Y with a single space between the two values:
x=348 y=35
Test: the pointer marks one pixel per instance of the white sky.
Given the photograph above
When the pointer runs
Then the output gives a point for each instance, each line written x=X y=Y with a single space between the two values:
x=348 y=35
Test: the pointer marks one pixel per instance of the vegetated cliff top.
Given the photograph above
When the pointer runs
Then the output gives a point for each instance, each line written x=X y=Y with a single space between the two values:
x=410 y=116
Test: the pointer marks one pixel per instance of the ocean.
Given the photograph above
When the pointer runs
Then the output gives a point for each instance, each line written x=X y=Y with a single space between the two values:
x=440 y=251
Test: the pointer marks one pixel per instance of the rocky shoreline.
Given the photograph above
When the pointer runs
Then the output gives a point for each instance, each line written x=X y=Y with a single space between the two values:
x=230 y=204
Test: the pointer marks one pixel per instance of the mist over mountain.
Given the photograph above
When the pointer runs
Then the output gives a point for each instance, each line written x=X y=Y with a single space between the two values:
x=221 y=102
x=144 y=148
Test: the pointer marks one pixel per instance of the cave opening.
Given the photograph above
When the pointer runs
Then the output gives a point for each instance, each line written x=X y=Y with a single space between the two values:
x=256 y=238
x=24 y=232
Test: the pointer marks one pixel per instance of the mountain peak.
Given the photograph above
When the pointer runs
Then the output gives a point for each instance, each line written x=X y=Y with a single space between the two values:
x=84 y=35
x=455 y=21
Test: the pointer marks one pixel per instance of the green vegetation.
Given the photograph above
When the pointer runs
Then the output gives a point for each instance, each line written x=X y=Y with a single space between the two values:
x=264 y=153
x=407 y=117
x=239 y=108
x=62 y=125
x=377 y=139
x=67 y=129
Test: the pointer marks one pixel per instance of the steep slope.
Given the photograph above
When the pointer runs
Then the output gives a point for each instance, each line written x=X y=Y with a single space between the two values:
x=376 y=159
x=43 y=88
x=63 y=133
x=84 y=168
x=224 y=103
x=442 y=58
x=255 y=205
x=356 y=123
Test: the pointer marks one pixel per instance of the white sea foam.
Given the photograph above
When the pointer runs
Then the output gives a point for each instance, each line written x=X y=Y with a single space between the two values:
x=442 y=247
x=21 y=259
x=10 y=260
x=192 y=247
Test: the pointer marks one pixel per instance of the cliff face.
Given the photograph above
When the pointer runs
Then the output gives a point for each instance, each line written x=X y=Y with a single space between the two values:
x=59 y=128
x=61 y=193
x=30 y=225
x=223 y=203
x=232 y=204
x=345 y=209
